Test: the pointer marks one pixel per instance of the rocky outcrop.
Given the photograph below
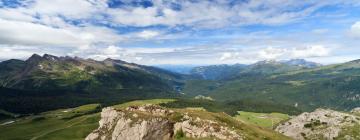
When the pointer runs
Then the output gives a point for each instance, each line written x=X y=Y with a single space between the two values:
x=198 y=128
x=152 y=122
x=355 y=110
x=320 y=124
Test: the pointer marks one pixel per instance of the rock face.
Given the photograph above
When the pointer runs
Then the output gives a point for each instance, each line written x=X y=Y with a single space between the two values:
x=115 y=125
x=355 y=110
x=320 y=124
x=151 y=122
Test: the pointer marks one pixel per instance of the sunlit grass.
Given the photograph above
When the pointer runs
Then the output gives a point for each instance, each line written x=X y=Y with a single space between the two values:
x=268 y=120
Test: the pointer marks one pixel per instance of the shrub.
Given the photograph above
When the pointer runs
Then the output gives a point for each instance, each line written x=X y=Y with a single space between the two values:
x=179 y=134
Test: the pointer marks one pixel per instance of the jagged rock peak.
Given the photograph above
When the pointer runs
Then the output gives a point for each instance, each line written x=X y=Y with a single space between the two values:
x=34 y=59
x=34 y=56
x=50 y=57
x=113 y=60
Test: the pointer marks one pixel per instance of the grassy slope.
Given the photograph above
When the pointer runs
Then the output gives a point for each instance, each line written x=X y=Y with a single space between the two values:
x=250 y=131
x=353 y=131
x=57 y=124
x=333 y=92
x=77 y=123
x=70 y=124
x=332 y=86
x=233 y=107
x=268 y=120
x=4 y=115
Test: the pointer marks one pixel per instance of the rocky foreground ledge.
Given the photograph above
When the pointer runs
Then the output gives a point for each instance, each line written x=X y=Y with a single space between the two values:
x=151 y=122
x=323 y=124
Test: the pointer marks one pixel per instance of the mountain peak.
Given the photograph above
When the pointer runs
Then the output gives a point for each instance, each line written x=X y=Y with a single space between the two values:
x=34 y=58
x=50 y=57
x=302 y=63
x=113 y=61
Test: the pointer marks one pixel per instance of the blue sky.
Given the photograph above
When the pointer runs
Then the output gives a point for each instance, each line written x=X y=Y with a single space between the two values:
x=182 y=31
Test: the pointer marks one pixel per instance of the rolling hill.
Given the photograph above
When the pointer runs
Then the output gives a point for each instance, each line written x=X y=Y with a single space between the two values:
x=333 y=86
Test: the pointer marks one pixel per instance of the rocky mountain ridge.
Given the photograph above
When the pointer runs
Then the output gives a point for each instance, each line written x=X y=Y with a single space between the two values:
x=52 y=72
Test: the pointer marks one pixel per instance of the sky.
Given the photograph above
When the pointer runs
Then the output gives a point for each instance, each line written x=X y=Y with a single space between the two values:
x=198 y=32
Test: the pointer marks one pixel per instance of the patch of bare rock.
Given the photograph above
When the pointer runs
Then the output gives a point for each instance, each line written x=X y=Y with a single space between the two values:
x=151 y=122
x=321 y=124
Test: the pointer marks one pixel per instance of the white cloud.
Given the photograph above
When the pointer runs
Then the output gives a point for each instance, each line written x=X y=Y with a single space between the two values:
x=26 y=33
x=271 y=53
x=297 y=52
x=19 y=14
x=148 y=34
x=226 y=56
x=310 y=51
x=138 y=58
x=355 y=29
x=111 y=50
x=23 y=52
x=11 y=53
x=212 y=14
x=79 y=9
x=48 y=24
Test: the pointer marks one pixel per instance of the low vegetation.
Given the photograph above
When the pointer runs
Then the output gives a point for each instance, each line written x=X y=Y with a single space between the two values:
x=72 y=123
x=268 y=120
x=77 y=123
x=232 y=107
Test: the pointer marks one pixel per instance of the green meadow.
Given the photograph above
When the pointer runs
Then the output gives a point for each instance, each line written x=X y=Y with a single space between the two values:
x=268 y=120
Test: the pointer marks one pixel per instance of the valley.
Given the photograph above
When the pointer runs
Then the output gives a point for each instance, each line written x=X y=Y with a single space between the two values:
x=49 y=97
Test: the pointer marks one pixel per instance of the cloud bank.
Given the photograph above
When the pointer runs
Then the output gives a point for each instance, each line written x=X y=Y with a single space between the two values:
x=180 y=31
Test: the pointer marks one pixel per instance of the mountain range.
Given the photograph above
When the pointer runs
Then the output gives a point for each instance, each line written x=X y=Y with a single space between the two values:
x=37 y=91
x=224 y=71
x=297 y=84
x=73 y=73
x=47 y=82
x=331 y=86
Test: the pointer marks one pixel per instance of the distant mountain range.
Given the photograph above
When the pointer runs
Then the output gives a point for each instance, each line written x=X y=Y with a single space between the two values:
x=48 y=82
x=182 y=69
x=304 y=85
x=221 y=72
x=301 y=63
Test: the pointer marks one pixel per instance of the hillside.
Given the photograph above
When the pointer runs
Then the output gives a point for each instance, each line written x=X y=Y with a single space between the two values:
x=84 y=120
x=216 y=72
x=73 y=73
x=48 y=82
x=322 y=124
x=333 y=86
x=266 y=67
x=146 y=119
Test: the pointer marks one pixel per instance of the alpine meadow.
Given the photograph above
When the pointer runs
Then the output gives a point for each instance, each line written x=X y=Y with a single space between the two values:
x=179 y=70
